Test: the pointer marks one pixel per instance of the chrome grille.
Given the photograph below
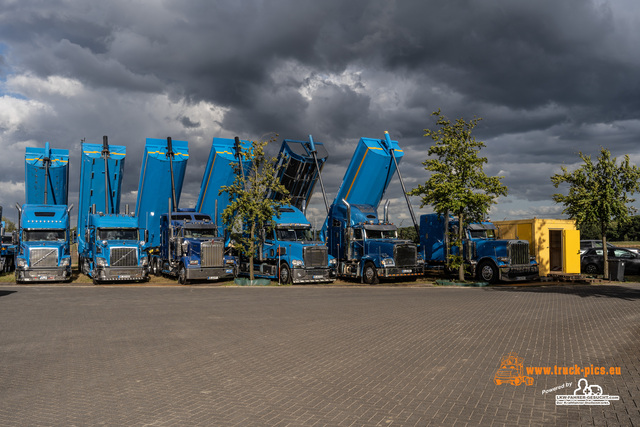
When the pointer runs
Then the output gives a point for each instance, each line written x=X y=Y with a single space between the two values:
x=124 y=257
x=43 y=257
x=315 y=256
x=405 y=255
x=212 y=254
x=519 y=253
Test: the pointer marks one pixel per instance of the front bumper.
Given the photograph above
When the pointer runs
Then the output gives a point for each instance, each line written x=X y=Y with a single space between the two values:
x=313 y=275
x=518 y=273
x=209 y=273
x=400 y=271
x=50 y=274
x=114 y=274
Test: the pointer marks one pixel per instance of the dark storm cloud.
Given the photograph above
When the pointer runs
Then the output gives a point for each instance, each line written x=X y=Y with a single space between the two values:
x=549 y=78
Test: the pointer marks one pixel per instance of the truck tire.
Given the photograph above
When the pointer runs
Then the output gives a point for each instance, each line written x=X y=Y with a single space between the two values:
x=487 y=272
x=182 y=275
x=95 y=280
x=155 y=268
x=284 y=274
x=369 y=274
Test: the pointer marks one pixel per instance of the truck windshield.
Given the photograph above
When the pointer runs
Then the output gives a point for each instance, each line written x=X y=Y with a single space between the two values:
x=48 y=235
x=294 y=234
x=373 y=233
x=200 y=233
x=117 y=234
x=483 y=234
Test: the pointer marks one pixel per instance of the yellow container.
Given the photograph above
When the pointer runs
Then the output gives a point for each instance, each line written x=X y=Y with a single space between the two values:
x=554 y=242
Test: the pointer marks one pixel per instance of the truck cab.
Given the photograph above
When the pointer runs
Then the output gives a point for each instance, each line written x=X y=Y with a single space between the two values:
x=43 y=244
x=489 y=259
x=290 y=253
x=190 y=248
x=112 y=249
x=368 y=248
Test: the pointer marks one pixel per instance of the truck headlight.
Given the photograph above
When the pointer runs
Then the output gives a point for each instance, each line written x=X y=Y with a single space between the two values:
x=333 y=261
x=420 y=259
x=193 y=262
x=503 y=259
x=144 y=261
x=22 y=262
x=65 y=262
x=101 y=262
x=297 y=263
x=388 y=262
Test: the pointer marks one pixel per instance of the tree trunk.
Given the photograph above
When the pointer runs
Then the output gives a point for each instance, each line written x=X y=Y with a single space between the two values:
x=605 y=254
x=461 y=247
x=252 y=251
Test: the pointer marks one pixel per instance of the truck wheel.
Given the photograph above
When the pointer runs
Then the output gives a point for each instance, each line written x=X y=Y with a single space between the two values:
x=182 y=275
x=155 y=268
x=487 y=272
x=95 y=280
x=369 y=274
x=285 y=274
x=591 y=269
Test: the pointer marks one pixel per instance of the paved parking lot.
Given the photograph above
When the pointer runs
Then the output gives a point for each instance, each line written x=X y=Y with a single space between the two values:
x=312 y=355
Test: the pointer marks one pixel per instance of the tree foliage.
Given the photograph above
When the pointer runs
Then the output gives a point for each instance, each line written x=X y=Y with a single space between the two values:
x=458 y=184
x=249 y=210
x=599 y=193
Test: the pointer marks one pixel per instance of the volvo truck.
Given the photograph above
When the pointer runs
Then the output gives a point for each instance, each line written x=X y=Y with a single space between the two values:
x=110 y=245
x=43 y=239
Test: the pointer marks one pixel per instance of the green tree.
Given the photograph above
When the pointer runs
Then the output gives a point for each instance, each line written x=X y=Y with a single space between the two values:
x=599 y=193
x=249 y=210
x=458 y=184
x=9 y=225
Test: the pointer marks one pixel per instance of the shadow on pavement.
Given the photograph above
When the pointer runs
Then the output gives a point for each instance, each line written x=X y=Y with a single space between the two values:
x=5 y=293
x=605 y=291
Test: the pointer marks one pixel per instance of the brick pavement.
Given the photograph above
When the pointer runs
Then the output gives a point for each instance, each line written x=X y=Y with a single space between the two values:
x=378 y=356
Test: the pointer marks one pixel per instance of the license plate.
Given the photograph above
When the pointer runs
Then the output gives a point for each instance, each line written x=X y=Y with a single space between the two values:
x=43 y=278
x=521 y=278
x=229 y=271
x=406 y=271
x=212 y=278
x=318 y=276
x=124 y=276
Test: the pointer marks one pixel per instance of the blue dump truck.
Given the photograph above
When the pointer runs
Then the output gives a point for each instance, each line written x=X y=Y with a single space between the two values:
x=289 y=252
x=487 y=258
x=366 y=247
x=43 y=238
x=182 y=243
x=110 y=247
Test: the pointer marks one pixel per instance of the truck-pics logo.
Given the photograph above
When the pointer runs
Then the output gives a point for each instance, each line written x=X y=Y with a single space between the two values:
x=512 y=371
x=585 y=394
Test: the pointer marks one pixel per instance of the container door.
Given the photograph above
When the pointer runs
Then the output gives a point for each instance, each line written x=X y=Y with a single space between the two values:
x=571 y=251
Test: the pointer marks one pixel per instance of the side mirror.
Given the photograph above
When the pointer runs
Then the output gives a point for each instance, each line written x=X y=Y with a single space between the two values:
x=146 y=236
x=14 y=238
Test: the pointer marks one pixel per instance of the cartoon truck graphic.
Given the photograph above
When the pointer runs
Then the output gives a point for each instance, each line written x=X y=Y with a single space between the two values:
x=512 y=371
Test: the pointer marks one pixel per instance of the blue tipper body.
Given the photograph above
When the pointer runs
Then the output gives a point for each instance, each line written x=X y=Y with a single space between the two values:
x=219 y=172
x=365 y=246
x=44 y=236
x=289 y=252
x=109 y=243
x=154 y=188
x=486 y=258
x=41 y=183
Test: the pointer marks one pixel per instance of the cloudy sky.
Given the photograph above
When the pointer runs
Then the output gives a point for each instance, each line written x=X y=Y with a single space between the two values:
x=549 y=78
